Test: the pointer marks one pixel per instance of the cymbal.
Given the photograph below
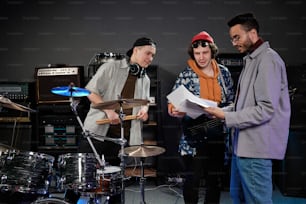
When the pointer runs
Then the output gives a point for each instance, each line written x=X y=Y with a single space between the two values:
x=7 y=103
x=125 y=103
x=70 y=91
x=143 y=151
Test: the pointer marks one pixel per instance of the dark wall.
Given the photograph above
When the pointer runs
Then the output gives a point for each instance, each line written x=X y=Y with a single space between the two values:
x=39 y=32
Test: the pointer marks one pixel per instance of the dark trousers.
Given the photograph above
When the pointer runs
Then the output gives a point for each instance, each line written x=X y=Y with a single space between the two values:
x=207 y=164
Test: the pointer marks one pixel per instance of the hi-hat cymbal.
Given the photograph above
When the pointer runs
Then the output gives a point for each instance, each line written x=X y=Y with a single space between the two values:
x=70 y=91
x=124 y=103
x=7 y=103
x=143 y=151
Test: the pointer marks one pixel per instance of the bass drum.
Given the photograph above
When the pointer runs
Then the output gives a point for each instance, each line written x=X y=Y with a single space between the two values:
x=77 y=171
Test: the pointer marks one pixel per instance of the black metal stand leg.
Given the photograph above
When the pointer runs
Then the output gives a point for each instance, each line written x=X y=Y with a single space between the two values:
x=142 y=182
x=121 y=155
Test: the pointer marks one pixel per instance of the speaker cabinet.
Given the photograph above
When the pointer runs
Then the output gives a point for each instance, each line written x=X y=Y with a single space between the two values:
x=50 y=77
x=291 y=176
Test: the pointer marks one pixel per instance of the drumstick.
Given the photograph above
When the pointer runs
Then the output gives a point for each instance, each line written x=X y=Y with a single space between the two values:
x=105 y=121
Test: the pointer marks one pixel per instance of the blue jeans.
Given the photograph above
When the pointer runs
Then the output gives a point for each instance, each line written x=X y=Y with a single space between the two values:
x=251 y=180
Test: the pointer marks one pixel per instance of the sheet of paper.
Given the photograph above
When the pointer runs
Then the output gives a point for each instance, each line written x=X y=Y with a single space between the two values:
x=185 y=101
x=202 y=102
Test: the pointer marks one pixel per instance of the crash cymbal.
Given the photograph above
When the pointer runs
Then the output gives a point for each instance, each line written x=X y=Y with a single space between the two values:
x=143 y=151
x=125 y=103
x=70 y=91
x=7 y=103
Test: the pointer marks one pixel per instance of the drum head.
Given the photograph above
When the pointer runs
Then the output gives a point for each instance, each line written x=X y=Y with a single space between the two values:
x=109 y=170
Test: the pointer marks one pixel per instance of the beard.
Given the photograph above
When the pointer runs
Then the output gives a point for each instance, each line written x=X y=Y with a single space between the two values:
x=246 y=46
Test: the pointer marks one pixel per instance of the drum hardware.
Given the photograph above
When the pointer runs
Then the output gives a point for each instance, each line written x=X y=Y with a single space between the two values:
x=72 y=92
x=122 y=141
x=74 y=103
x=142 y=152
x=120 y=104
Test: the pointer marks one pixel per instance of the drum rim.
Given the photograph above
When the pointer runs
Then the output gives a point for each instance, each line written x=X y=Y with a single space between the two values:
x=44 y=200
x=29 y=153
x=100 y=171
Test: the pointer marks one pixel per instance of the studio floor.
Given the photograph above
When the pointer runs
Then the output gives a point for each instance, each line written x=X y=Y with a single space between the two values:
x=156 y=194
x=172 y=194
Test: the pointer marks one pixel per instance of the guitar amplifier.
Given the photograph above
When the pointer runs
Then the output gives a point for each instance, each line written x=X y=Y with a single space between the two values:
x=50 y=77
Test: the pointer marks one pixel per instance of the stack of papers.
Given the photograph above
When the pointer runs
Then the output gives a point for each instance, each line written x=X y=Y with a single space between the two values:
x=185 y=101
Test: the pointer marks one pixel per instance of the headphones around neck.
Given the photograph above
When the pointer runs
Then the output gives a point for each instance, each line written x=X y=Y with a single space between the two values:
x=137 y=70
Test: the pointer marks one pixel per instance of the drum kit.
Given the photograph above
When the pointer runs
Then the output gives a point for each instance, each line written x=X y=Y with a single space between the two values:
x=32 y=173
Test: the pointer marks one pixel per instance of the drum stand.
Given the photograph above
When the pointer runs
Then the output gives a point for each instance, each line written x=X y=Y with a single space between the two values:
x=122 y=141
x=142 y=181
x=73 y=106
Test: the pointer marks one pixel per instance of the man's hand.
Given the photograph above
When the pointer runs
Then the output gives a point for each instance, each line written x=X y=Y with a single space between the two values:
x=172 y=111
x=215 y=112
x=112 y=116
x=142 y=115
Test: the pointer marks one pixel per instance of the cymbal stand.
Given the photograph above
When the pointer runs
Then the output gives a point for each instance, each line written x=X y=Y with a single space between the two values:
x=142 y=181
x=73 y=105
x=121 y=154
x=122 y=141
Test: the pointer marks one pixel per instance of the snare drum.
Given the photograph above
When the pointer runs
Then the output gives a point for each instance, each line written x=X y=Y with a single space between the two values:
x=109 y=180
x=25 y=171
x=78 y=171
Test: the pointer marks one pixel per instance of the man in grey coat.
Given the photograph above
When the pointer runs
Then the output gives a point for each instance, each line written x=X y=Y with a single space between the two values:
x=260 y=115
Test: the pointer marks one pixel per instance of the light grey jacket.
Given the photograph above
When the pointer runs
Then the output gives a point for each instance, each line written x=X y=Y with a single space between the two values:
x=262 y=113
x=108 y=82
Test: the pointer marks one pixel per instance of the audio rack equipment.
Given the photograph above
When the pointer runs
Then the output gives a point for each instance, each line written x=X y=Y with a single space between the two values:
x=18 y=92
